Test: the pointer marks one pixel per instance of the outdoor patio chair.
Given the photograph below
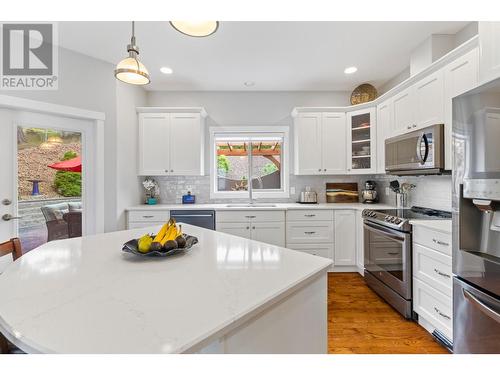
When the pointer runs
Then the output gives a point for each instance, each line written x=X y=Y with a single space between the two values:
x=74 y=221
x=57 y=226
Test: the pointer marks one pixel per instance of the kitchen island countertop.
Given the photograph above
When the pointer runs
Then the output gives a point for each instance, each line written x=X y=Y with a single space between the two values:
x=227 y=294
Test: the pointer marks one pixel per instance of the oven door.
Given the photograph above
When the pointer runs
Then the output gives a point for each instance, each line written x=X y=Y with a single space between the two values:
x=388 y=257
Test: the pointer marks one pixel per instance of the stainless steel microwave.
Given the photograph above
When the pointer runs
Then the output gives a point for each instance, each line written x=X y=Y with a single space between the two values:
x=415 y=153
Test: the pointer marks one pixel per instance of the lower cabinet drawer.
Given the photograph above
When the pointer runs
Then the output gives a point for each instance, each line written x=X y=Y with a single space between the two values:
x=140 y=224
x=322 y=250
x=309 y=232
x=433 y=267
x=246 y=216
x=433 y=306
x=432 y=239
x=149 y=215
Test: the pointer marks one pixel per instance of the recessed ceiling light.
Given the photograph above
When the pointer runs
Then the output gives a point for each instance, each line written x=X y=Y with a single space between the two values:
x=196 y=28
x=166 y=70
x=350 y=70
x=249 y=83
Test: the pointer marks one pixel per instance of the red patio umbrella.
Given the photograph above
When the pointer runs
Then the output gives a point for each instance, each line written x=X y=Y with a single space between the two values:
x=71 y=165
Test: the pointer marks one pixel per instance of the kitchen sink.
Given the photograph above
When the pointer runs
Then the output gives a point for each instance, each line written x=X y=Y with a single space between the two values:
x=250 y=205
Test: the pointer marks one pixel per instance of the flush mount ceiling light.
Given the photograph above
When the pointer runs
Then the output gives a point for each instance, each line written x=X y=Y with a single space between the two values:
x=196 y=28
x=350 y=70
x=131 y=70
x=166 y=70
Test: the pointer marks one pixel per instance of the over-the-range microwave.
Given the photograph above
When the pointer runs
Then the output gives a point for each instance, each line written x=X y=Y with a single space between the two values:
x=416 y=153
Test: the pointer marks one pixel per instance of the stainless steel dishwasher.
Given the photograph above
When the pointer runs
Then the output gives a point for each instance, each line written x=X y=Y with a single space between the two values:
x=199 y=218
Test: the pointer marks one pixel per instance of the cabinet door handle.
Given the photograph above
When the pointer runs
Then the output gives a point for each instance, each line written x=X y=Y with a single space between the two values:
x=442 y=314
x=319 y=170
x=253 y=227
x=441 y=273
x=324 y=169
x=171 y=170
x=408 y=127
x=248 y=227
x=414 y=125
x=440 y=242
x=166 y=170
x=309 y=232
x=147 y=216
x=250 y=217
x=393 y=253
x=310 y=215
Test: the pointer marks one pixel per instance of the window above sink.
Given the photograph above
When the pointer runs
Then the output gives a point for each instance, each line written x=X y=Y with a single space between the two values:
x=257 y=154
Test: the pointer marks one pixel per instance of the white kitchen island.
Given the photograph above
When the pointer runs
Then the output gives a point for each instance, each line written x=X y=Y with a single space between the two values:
x=225 y=295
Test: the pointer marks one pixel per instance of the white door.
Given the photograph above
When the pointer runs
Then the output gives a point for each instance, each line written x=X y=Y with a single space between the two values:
x=271 y=233
x=459 y=76
x=92 y=222
x=402 y=109
x=489 y=50
x=186 y=153
x=345 y=238
x=307 y=135
x=428 y=100
x=154 y=144
x=384 y=126
x=334 y=143
x=236 y=229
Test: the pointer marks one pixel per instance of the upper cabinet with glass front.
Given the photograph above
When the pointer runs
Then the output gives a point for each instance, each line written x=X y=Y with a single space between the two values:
x=361 y=141
x=171 y=141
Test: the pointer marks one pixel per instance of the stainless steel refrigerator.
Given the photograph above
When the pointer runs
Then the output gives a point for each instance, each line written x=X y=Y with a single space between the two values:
x=476 y=220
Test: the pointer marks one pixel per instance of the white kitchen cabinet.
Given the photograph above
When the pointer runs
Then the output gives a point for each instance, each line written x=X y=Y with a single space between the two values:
x=154 y=134
x=171 y=142
x=460 y=76
x=345 y=238
x=361 y=141
x=309 y=232
x=307 y=144
x=333 y=143
x=360 y=244
x=264 y=226
x=432 y=279
x=428 y=100
x=489 y=51
x=319 y=142
x=146 y=218
x=384 y=128
x=272 y=233
x=236 y=229
x=402 y=112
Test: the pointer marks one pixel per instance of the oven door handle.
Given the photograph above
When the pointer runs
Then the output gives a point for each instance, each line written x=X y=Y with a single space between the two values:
x=386 y=232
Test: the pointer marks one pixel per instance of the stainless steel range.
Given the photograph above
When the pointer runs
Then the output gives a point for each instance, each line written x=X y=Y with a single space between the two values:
x=388 y=252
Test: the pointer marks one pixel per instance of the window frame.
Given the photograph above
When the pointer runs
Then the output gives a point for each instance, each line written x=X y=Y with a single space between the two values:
x=250 y=131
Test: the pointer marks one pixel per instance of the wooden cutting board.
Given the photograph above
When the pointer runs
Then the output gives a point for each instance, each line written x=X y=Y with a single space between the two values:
x=342 y=192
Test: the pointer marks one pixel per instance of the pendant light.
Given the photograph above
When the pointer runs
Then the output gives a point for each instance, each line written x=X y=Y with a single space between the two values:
x=131 y=70
x=196 y=28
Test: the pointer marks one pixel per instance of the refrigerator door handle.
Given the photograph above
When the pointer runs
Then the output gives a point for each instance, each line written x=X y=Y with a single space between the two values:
x=481 y=306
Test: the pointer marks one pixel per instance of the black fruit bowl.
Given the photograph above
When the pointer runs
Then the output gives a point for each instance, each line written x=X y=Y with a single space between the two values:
x=132 y=247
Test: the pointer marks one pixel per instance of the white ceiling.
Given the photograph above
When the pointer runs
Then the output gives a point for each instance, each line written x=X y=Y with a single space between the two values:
x=278 y=56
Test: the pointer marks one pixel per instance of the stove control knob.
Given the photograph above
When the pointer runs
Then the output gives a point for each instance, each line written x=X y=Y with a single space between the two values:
x=398 y=221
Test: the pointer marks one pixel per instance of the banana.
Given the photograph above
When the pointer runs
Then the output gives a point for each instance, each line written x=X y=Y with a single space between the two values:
x=162 y=232
x=171 y=234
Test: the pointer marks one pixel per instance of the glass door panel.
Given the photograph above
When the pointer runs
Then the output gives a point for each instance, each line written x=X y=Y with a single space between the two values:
x=361 y=136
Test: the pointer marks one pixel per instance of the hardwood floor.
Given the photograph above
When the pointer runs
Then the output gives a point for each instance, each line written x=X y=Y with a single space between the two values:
x=360 y=322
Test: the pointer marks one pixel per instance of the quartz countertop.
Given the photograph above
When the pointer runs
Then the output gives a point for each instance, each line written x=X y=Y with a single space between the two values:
x=85 y=295
x=277 y=206
x=442 y=225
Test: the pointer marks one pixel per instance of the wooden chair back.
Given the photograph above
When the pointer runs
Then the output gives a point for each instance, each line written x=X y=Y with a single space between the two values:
x=11 y=246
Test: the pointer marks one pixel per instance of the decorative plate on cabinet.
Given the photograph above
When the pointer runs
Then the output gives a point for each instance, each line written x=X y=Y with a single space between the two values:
x=363 y=93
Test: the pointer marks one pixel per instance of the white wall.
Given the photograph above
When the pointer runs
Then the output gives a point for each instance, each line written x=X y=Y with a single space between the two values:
x=128 y=189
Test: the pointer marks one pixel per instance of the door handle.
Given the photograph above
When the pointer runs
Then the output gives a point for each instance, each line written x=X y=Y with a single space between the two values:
x=6 y=202
x=8 y=217
x=393 y=253
x=250 y=216
x=309 y=232
x=310 y=215
x=481 y=306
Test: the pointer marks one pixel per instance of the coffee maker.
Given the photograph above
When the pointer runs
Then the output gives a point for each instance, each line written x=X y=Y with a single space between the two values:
x=369 y=194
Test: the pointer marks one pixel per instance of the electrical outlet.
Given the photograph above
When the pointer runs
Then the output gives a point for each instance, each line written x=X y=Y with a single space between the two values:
x=292 y=190
x=387 y=191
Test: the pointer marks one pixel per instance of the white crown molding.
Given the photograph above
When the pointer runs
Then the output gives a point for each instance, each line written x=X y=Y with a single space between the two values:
x=199 y=110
